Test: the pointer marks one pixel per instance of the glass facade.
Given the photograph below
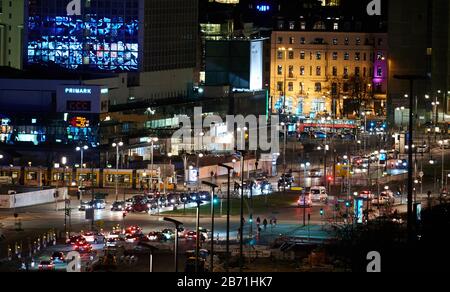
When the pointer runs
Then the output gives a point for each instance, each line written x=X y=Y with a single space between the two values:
x=104 y=38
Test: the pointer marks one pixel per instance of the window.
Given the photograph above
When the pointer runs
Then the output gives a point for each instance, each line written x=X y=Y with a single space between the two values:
x=379 y=71
x=334 y=89
x=345 y=72
x=302 y=25
x=318 y=106
x=346 y=56
x=291 y=25
x=380 y=42
x=318 y=55
x=302 y=70
x=302 y=41
x=291 y=40
x=279 y=86
x=357 y=71
x=335 y=26
x=335 y=56
x=334 y=71
x=280 y=24
x=280 y=55
x=345 y=87
x=365 y=56
x=318 y=71
x=301 y=87
x=280 y=70
x=291 y=86
x=280 y=40
x=318 y=87
x=291 y=55
x=358 y=41
x=302 y=55
x=291 y=71
x=346 y=42
x=335 y=41
x=364 y=72
x=357 y=56
x=380 y=56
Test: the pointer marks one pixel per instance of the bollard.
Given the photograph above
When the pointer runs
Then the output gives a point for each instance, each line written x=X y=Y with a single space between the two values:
x=38 y=244
x=34 y=247
x=54 y=238
x=44 y=241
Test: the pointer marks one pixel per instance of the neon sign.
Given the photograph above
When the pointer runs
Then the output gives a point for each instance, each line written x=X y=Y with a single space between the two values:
x=78 y=90
x=263 y=8
x=79 y=122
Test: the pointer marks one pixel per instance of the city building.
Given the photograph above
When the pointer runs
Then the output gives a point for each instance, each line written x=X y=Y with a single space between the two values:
x=46 y=113
x=11 y=33
x=154 y=41
x=317 y=72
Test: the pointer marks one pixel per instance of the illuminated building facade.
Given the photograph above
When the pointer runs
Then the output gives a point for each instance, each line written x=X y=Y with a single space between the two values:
x=105 y=37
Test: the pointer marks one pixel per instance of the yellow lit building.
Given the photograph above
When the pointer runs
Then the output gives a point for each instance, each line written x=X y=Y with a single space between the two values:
x=338 y=73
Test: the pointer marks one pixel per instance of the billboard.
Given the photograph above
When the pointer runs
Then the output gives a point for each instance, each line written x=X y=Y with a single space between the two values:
x=256 y=65
x=97 y=37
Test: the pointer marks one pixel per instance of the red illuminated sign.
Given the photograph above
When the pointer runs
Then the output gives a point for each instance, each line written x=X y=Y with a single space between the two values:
x=78 y=105
x=79 y=122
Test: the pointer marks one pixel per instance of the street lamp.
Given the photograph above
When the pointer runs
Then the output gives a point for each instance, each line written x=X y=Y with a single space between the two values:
x=199 y=156
x=442 y=143
x=152 y=141
x=229 y=169
x=117 y=146
x=213 y=187
x=177 y=228
x=81 y=150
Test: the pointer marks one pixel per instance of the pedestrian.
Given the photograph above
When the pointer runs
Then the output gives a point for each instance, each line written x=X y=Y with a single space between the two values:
x=274 y=222
x=265 y=224
x=258 y=222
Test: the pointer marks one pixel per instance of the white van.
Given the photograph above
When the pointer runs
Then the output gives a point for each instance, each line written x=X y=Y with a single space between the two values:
x=319 y=194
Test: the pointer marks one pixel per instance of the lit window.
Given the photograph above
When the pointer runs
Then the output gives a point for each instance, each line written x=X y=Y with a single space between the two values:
x=335 y=26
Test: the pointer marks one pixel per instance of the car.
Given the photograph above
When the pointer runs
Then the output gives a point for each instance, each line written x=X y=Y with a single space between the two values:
x=84 y=206
x=83 y=247
x=141 y=207
x=118 y=206
x=111 y=242
x=155 y=236
x=319 y=193
x=58 y=257
x=366 y=195
x=320 y=135
x=46 y=266
x=192 y=235
x=423 y=149
x=76 y=239
x=347 y=136
x=386 y=197
x=94 y=237
x=305 y=200
x=133 y=230
x=169 y=234
x=132 y=238
x=99 y=204
x=304 y=135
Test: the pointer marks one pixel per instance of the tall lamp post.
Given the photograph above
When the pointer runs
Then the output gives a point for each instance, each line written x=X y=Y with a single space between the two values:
x=213 y=187
x=177 y=228
x=411 y=79
x=442 y=143
x=80 y=183
x=227 y=258
x=152 y=141
x=117 y=146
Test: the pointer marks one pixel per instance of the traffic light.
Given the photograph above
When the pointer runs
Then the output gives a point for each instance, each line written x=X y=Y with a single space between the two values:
x=330 y=178
x=347 y=204
x=321 y=212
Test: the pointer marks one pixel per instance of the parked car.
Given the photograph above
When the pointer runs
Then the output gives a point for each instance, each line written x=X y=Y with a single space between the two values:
x=315 y=173
x=319 y=193
x=320 y=135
